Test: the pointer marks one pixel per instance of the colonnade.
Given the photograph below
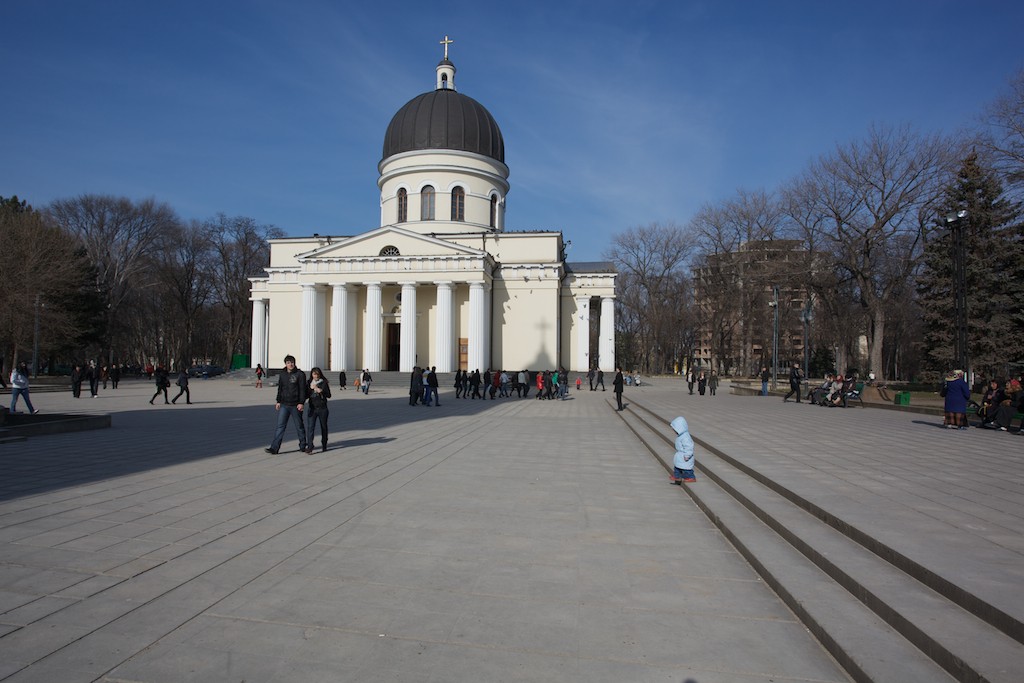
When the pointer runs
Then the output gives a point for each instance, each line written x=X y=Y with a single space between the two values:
x=344 y=309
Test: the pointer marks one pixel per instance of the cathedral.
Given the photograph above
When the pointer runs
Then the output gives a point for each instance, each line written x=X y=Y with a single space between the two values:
x=441 y=282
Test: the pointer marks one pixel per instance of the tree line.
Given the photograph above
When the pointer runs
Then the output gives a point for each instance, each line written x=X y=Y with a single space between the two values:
x=109 y=279
x=860 y=243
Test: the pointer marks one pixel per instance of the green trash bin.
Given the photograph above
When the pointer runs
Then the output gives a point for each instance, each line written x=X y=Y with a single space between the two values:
x=902 y=398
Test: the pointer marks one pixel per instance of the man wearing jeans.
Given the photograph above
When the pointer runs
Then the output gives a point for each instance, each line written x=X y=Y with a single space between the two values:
x=292 y=392
x=765 y=376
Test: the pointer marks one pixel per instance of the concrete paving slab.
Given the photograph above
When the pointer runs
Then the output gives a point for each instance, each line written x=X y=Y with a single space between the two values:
x=428 y=547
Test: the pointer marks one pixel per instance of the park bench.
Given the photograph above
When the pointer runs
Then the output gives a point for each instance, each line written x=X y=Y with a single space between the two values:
x=854 y=394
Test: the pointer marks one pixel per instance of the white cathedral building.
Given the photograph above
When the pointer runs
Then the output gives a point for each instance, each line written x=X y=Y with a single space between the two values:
x=441 y=282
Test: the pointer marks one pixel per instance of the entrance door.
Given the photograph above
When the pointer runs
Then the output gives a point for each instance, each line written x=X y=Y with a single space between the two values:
x=394 y=346
x=464 y=353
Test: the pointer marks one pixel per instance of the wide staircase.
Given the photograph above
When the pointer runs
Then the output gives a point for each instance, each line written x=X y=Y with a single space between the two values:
x=883 y=616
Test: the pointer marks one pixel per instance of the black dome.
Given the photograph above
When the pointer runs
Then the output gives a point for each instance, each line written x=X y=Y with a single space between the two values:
x=444 y=119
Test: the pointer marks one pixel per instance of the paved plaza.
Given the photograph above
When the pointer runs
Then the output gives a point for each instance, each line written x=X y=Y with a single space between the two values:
x=508 y=540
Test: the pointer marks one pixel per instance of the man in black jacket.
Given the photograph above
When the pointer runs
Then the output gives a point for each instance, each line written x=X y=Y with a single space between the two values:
x=794 y=383
x=292 y=392
x=617 y=386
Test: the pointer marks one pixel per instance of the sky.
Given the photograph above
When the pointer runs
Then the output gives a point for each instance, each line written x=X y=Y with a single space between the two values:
x=614 y=114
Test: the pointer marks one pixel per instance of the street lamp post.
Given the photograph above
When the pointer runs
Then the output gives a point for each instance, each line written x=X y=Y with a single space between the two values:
x=806 y=316
x=35 y=342
x=775 y=338
x=956 y=228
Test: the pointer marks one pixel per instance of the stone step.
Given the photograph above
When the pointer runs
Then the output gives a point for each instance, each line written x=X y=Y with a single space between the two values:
x=880 y=622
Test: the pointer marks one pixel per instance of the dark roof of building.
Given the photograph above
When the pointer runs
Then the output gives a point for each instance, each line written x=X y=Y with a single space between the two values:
x=590 y=267
x=444 y=119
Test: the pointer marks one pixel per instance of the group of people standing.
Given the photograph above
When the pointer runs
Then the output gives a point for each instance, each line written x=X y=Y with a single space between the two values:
x=92 y=376
x=703 y=382
x=423 y=387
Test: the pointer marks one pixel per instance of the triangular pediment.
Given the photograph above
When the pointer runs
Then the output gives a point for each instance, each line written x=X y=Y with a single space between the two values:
x=371 y=244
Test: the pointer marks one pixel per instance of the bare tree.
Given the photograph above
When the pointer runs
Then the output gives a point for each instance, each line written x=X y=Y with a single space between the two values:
x=240 y=251
x=743 y=254
x=184 y=267
x=118 y=236
x=652 y=260
x=867 y=205
x=1004 y=139
x=39 y=275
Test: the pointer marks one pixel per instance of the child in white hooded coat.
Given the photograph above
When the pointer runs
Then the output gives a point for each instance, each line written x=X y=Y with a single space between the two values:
x=682 y=463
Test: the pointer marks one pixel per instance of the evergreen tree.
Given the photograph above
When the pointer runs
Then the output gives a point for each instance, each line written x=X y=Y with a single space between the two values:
x=994 y=268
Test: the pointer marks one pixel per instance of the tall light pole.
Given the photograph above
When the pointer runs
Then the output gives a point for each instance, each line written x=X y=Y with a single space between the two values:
x=806 y=316
x=775 y=337
x=35 y=342
x=956 y=228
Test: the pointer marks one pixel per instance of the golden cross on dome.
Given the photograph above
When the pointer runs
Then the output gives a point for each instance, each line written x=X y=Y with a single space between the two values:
x=446 y=42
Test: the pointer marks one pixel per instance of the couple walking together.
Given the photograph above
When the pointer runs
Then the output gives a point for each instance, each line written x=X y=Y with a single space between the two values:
x=294 y=396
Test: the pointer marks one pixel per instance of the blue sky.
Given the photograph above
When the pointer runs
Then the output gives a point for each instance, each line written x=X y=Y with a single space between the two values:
x=615 y=114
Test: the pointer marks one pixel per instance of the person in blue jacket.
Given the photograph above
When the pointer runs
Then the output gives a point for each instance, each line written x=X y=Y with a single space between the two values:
x=957 y=394
x=682 y=463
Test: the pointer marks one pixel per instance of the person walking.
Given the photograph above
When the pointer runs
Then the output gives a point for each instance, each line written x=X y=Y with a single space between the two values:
x=590 y=378
x=115 y=375
x=617 y=386
x=364 y=381
x=765 y=376
x=259 y=375
x=713 y=382
x=319 y=392
x=161 y=381
x=182 y=383
x=474 y=384
x=683 y=460
x=702 y=383
x=690 y=380
x=92 y=374
x=415 y=385
x=458 y=383
x=19 y=388
x=794 y=383
x=343 y=380
x=432 y=383
x=292 y=391
x=77 y=375
x=600 y=379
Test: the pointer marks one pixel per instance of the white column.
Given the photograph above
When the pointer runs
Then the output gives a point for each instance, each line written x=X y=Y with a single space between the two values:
x=372 y=328
x=319 y=328
x=407 y=351
x=488 y=326
x=307 y=328
x=348 y=357
x=582 y=324
x=339 y=329
x=606 y=342
x=258 y=352
x=476 y=327
x=444 y=347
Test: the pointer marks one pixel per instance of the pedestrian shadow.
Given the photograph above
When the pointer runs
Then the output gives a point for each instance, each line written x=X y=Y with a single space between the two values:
x=929 y=424
x=350 y=443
